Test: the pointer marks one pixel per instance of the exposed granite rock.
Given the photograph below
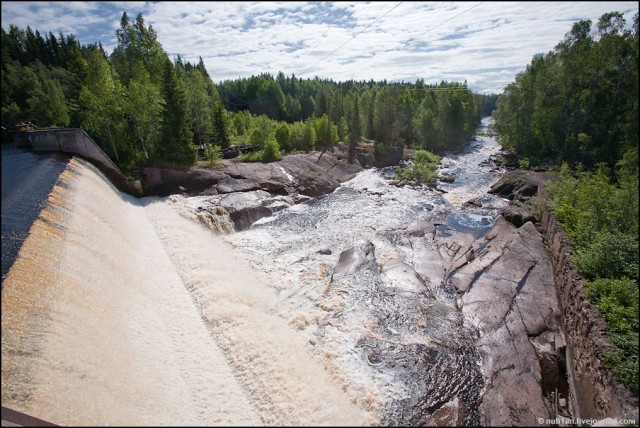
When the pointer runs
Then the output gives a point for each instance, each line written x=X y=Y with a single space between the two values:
x=507 y=294
x=517 y=215
x=596 y=394
x=365 y=157
x=354 y=259
x=245 y=208
x=446 y=177
x=388 y=156
x=438 y=372
x=256 y=186
x=167 y=181
x=241 y=208
x=308 y=174
x=519 y=184
x=315 y=176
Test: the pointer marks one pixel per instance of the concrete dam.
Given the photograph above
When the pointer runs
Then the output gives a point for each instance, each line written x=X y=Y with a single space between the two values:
x=76 y=141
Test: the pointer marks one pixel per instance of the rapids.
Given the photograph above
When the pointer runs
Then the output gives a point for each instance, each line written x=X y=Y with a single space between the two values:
x=125 y=311
x=394 y=336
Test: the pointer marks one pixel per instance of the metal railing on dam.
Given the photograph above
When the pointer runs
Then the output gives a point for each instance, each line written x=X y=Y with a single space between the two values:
x=76 y=141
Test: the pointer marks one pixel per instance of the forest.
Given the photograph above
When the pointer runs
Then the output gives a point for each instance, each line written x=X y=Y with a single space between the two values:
x=144 y=108
x=575 y=110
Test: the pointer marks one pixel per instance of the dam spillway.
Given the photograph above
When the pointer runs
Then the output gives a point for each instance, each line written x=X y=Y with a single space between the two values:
x=27 y=180
x=99 y=326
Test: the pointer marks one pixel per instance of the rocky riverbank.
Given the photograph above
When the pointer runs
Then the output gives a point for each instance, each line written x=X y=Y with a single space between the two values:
x=499 y=353
x=245 y=192
x=507 y=366
x=595 y=394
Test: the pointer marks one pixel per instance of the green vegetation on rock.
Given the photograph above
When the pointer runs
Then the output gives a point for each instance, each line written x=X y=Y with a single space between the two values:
x=599 y=212
x=423 y=169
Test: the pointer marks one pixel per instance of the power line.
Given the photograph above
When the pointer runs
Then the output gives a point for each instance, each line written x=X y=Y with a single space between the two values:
x=356 y=35
x=419 y=35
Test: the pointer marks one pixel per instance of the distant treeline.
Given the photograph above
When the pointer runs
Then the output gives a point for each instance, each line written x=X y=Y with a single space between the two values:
x=144 y=108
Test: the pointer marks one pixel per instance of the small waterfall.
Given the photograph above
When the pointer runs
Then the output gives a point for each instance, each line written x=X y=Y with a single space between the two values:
x=118 y=311
x=214 y=218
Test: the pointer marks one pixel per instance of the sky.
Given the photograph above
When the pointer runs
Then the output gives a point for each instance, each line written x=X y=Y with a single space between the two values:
x=485 y=43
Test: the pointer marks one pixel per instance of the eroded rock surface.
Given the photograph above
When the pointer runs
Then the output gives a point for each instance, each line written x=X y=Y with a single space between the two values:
x=519 y=184
x=467 y=326
x=508 y=296
x=307 y=174
x=254 y=190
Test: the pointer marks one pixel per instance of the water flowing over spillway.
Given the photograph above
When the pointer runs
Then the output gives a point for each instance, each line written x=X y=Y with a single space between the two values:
x=106 y=320
x=335 y=311
x=27 y=179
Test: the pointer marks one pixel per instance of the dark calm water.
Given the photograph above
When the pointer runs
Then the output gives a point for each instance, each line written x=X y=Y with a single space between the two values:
x=27 y=180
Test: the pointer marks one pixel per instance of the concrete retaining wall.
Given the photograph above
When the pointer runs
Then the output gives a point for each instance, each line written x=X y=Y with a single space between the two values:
x=76 y=141
x=597 y=394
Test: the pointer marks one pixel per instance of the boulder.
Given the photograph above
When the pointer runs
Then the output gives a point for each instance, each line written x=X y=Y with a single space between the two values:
x=245 y=208
x=167 y=181
x=519 y=184
x=517 y=215
x=388 y=156
x=446 y=177
x=354 y=259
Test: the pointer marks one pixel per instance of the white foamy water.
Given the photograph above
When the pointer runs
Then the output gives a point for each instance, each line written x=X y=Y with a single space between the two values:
x=287 y=383
x=301 y=246
x=473 y=178
x=119 y=311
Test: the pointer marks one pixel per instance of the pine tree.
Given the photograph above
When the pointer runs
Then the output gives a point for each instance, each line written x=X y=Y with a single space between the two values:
x=220 y=131
x=355 y=130
x=175 y=144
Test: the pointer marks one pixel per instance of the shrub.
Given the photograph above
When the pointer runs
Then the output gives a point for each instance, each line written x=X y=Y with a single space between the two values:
x=270 y=153
x=600 y=217
x=617 y=301
x=212 y=154
x=423 y=169
x=611 y=254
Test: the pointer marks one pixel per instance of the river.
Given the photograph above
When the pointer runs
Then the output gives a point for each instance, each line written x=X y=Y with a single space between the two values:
x=121 y=310
x=388 y=327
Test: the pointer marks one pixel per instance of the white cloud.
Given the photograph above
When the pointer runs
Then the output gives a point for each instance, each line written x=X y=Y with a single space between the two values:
x=486 y=43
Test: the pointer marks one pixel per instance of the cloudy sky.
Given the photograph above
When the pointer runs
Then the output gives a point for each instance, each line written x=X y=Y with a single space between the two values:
x=486 y=43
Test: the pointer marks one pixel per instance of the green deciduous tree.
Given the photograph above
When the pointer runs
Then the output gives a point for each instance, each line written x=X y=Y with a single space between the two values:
x=101 y=110
x=423 y=168
x=201 y=108
x=326 y=132
x=143 y=108
x=283 y=136
x=577 y=103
